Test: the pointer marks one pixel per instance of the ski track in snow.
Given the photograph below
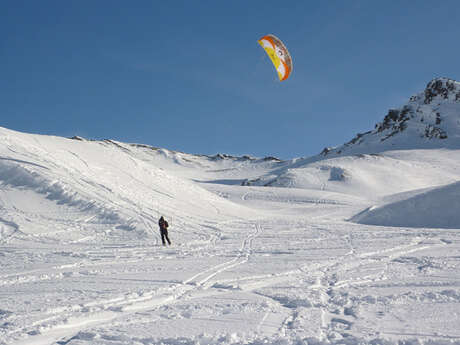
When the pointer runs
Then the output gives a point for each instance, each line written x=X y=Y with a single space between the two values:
x=73 y=318
x=7 y=230
x=337 y=310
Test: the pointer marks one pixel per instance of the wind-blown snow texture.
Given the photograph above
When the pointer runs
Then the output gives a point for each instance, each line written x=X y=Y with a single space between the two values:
x=363 y=247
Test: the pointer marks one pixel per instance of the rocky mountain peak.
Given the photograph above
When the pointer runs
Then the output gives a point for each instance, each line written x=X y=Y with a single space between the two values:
x=442 y=89
x=429 y=118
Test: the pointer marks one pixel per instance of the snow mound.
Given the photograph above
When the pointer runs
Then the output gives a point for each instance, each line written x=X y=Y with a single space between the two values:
x=16 y=174
x=434 y=208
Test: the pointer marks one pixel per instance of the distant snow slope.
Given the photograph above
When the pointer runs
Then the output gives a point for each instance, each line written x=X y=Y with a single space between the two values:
x=370 y=175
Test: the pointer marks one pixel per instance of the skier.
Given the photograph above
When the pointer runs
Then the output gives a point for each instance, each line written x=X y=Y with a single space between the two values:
x=164 y=230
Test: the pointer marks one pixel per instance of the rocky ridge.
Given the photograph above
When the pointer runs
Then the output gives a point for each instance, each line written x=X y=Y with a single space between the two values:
x=430 y=117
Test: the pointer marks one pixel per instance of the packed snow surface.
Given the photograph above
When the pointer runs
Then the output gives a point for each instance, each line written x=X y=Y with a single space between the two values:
x=438 y=207
x=359 y=249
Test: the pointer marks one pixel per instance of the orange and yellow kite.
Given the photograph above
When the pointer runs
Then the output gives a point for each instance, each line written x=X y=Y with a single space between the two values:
x=279 y=55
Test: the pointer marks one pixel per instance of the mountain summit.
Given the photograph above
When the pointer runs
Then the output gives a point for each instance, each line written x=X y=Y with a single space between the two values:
x=375 y=163
x=430 y=119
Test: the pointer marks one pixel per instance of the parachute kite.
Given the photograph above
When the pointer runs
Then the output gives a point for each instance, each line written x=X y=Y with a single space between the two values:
x=279 y=55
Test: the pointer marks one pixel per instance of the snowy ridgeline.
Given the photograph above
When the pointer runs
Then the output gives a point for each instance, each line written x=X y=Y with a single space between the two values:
x=355 y=247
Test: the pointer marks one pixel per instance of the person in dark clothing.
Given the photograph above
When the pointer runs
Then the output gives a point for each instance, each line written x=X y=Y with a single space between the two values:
x=164 y=230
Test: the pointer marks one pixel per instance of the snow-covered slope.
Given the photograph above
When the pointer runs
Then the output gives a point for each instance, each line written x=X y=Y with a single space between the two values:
x=436 y=207
x=370 y=175
x=104 y=181
x=220 y=168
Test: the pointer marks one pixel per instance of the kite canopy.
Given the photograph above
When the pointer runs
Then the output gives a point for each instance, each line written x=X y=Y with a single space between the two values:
x=279 y=55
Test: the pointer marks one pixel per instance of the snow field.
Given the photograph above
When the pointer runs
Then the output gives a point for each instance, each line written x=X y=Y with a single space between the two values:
x=81 y=260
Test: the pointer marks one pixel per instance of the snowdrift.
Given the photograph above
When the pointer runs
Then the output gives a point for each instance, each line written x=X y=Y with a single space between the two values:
x=434 y=208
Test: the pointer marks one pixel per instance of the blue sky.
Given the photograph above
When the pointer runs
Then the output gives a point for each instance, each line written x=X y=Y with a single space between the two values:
x=190 y=76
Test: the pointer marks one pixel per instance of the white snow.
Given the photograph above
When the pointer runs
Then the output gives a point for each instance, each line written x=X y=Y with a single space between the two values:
x=436 y=208
x=361 y=249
